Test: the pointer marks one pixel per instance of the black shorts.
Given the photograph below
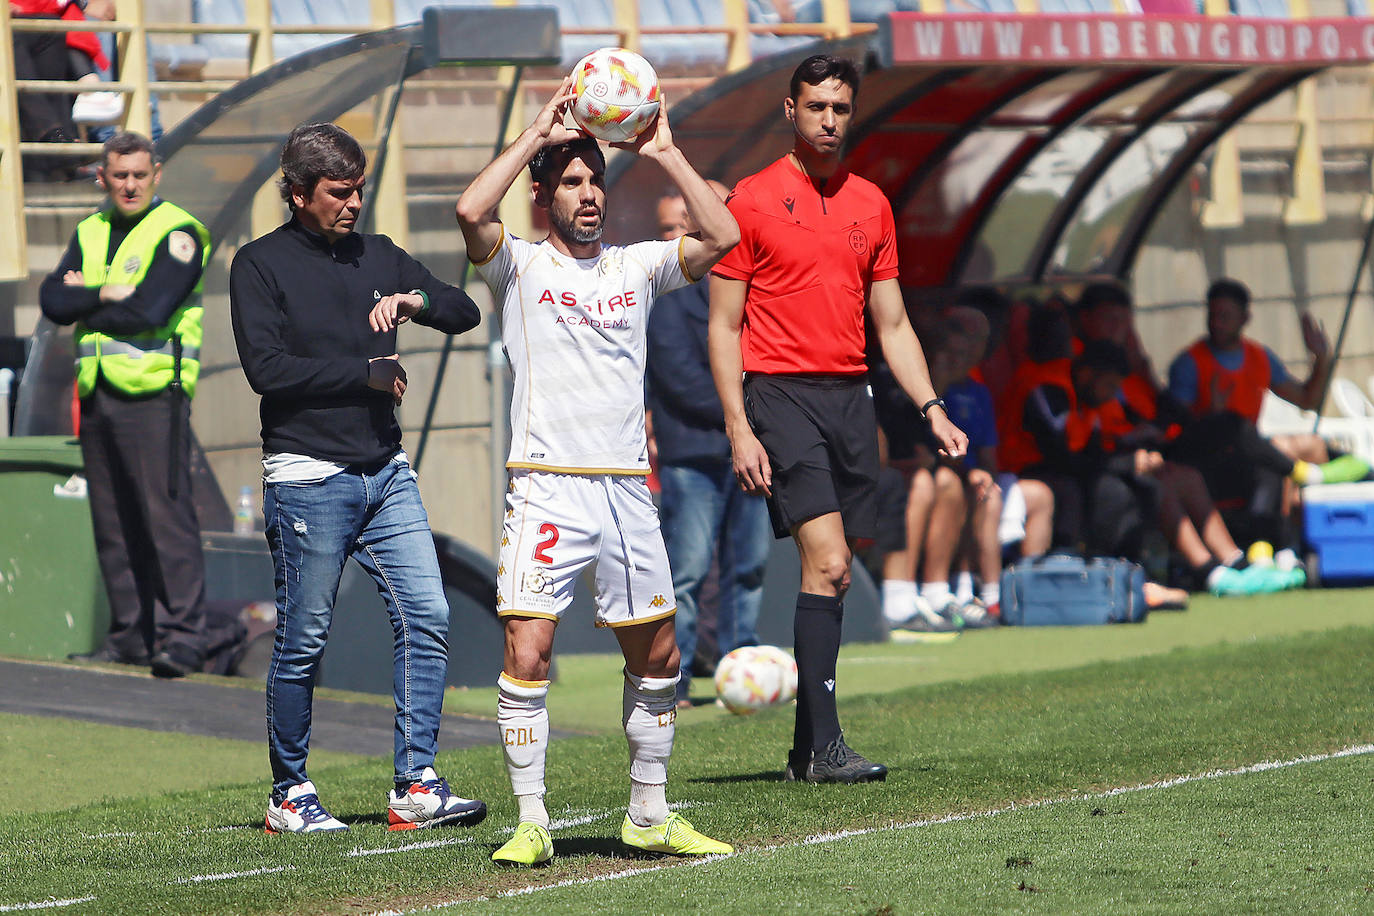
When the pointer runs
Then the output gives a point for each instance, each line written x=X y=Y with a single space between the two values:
x=822 y=442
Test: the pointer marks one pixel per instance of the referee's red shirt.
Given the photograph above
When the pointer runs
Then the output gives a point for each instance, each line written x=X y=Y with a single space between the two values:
x=809 y=252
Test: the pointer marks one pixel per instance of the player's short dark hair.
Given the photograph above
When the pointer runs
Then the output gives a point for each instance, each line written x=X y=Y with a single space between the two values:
x=1103 y=293
x=550 y=161
x=316 y=152
x=1227 y=288
x=126 y=142
x=1104 y=356
x=818 y=68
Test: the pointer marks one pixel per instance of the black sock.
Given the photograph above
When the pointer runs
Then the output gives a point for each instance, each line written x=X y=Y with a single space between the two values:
x=816 y=628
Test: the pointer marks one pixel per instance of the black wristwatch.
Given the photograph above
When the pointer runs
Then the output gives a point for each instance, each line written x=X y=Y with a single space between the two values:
x=933 y=402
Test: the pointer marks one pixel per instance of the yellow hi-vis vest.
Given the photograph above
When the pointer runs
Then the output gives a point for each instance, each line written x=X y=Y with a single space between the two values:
x=141 y=363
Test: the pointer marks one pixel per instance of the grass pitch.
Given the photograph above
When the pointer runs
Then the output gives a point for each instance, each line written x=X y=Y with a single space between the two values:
x=1016 y=764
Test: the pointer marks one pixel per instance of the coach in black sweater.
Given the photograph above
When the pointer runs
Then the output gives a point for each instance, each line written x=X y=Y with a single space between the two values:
x=315 y=308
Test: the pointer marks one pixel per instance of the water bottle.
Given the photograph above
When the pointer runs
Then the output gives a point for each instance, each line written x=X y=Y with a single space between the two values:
x=244 y=512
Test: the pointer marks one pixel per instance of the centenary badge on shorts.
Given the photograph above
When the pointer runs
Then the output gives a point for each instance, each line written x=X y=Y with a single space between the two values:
x=536 y=590
x=858 y=241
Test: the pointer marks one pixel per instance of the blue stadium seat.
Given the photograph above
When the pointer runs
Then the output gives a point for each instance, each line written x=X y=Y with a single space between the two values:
x=671 y=53
x=1263 y=9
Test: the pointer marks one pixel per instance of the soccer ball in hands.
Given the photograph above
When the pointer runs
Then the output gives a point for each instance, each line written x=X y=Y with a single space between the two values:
x=752 y=677
x=617 y=94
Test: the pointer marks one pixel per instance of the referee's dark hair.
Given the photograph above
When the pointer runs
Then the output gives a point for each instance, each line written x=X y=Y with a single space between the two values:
x=818 y=68
x=313 y=152
x=1226 y=288
x=550 y=161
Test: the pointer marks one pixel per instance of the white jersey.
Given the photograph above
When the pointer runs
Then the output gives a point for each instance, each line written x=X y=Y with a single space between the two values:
x=574 y=332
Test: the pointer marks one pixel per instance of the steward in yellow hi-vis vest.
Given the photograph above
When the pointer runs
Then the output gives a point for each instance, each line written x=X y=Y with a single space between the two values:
x=130 y=282
x=145 y=363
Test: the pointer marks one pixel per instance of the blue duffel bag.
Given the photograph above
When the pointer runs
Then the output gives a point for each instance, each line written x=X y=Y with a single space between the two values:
x=1063 y=590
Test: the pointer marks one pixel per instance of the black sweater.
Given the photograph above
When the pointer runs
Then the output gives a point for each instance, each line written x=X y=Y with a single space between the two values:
x=300 y=308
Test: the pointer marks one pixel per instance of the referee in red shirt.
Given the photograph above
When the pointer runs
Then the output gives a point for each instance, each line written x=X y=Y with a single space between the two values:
x=787 y=353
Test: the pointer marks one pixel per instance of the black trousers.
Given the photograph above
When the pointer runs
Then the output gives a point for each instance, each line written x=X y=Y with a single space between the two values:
x=147 y=541
x=42 y=56
x=1243 y=470
x=1102 y=513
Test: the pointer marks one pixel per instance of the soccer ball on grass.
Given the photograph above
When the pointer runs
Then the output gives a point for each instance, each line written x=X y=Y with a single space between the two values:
x=752 y=677
x=617 y=94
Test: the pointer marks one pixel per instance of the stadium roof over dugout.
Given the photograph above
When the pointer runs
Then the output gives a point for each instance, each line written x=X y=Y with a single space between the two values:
x=1015 y=148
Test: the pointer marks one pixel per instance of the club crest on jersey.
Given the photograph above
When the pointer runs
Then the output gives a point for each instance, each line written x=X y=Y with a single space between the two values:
x=612 y=264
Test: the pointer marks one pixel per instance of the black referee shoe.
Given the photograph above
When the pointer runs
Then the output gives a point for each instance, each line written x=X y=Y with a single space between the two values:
x=840 y=763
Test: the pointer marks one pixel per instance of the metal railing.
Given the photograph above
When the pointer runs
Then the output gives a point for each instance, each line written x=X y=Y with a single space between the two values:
x=132 y=31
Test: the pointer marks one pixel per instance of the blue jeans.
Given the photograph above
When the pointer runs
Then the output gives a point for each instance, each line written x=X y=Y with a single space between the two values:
x=312 y=529
x=704 y=510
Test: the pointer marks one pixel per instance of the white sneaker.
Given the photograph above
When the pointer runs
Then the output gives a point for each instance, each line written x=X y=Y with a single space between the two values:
x=300 y=812
x=103 y=107
x=430 y=803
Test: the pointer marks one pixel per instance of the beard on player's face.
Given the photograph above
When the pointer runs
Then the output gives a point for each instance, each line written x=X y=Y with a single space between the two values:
x=564 y=217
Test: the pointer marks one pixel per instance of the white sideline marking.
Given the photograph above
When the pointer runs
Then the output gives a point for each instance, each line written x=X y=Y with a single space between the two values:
x=230 y=875
x=1264 y=766
x=44 y=904
x=1092 y=796
x=594 y=815
x=589 y=818
x=427 y=844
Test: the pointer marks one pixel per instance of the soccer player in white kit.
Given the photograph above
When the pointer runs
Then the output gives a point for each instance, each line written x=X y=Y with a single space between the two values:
x=573 y=315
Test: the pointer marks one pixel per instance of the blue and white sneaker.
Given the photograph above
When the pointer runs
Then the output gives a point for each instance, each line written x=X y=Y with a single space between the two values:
x=430 y=803
x=300 y=811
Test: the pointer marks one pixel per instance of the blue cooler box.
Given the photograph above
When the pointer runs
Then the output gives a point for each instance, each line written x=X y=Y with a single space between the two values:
x=1339 y=526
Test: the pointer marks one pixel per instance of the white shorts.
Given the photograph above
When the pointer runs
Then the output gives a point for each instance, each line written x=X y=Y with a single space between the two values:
x=558 y=524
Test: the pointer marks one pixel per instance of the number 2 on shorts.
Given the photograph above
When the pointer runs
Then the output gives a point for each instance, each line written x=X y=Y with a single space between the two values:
x=541 y=550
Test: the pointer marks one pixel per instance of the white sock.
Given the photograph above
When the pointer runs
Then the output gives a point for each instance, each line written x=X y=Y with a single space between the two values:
x=963 y=587
x=899 y=599
x=937 y=593
x=648 y=803
x=991 y=593
x=532 y=809
x=650 y=720
x=524 y=722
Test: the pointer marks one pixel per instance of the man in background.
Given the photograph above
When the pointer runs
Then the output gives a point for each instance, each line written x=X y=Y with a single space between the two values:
x=131 y=282
x=706 y=516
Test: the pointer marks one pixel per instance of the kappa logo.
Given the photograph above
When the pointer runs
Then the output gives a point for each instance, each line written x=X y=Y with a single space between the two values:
x=501 y=570
x=830 y=684
x=659 y=601
x=505 y=541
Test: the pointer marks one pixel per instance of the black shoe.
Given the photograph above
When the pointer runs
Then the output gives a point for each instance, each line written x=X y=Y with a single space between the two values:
x=175 y=661
x=840 y=763
x=109 y=656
